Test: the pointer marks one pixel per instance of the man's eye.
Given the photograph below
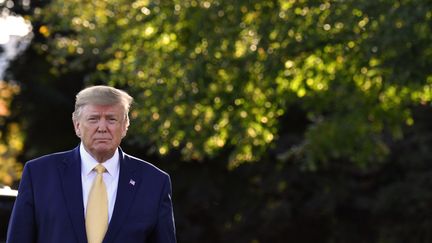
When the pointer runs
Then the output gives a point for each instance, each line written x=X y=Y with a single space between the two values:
x=92 y=119
x=112 y=120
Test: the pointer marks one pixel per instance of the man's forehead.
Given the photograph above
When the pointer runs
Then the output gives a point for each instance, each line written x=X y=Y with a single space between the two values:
x=91 y=108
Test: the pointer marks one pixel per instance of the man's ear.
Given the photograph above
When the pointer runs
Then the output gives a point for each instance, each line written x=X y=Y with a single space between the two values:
x=125 y=130
x=77 y=129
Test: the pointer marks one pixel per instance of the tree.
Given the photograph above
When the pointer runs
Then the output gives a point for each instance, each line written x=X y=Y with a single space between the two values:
x=330 y=98
x=216 y=76
x=11 y=140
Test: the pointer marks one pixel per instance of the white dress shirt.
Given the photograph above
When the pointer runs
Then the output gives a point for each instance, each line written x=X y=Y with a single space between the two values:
x=110 y=177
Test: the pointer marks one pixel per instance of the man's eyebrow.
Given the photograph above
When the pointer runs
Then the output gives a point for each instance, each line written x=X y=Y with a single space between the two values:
x=106 y=114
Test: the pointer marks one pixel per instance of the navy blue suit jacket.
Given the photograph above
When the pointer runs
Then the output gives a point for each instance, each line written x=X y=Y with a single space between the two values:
x=49 y=206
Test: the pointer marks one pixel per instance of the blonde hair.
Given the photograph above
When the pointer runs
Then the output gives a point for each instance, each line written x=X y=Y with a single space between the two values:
x=102 y=95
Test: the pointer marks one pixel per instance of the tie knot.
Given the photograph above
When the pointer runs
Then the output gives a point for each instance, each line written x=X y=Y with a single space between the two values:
x=99 y=169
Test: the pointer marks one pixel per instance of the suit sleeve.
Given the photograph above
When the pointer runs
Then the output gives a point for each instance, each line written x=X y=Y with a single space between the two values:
x=22 y=228
x=164 y=231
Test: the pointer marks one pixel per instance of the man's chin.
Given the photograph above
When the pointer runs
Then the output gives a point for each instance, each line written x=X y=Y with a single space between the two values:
x=104 y=149
x=103 y=154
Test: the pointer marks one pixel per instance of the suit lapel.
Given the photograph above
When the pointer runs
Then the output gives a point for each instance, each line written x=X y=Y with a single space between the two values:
x=127 y=186
x=70 y=171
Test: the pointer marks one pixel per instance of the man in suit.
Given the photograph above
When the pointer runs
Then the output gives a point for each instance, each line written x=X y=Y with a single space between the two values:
x=94 y=193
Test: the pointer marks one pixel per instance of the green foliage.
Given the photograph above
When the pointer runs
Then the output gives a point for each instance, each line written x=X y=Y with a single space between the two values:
x=11 y=139
x=211 y=76
x=281 y=202
x=318 y=91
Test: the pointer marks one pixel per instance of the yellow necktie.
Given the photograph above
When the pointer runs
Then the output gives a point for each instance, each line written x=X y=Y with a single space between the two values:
x=97 y=208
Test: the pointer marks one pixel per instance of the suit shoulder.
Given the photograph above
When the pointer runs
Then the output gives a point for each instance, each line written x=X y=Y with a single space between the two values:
x=147 y=166
x=48 y=159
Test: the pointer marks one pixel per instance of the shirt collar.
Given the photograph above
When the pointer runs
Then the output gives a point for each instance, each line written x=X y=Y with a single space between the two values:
x=88 y=162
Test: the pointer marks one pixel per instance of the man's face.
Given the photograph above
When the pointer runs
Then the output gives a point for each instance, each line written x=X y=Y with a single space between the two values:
x=101 y=129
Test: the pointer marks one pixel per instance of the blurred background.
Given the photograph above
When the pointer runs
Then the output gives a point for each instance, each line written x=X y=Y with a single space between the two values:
x=278 y=120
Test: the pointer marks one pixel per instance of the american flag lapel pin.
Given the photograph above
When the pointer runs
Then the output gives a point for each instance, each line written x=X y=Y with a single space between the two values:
x=132 y=182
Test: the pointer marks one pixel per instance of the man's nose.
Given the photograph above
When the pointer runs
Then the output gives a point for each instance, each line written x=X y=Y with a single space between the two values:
x=102 y=125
